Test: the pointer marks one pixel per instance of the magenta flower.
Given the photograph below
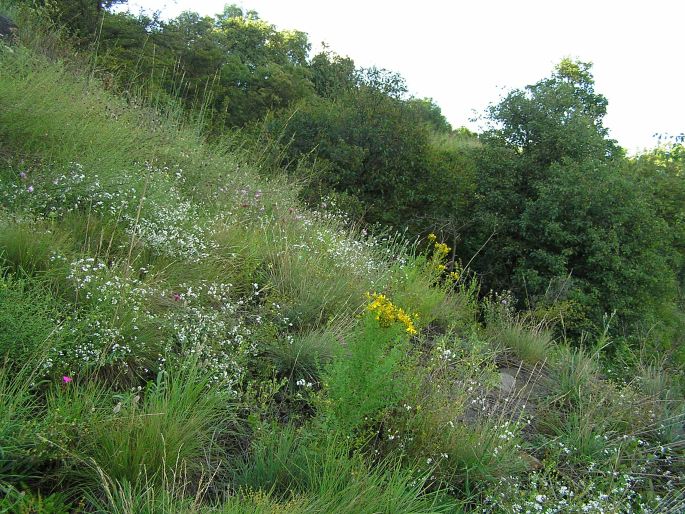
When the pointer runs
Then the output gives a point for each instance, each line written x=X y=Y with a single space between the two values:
x=67 y=379
x=176 y=297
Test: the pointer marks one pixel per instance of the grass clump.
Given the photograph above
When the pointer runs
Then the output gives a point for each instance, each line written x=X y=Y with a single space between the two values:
x=174 y=422
x=321 y=473
x=18 y=463
x=303 y=356
x=30 y=320
x=531 y=345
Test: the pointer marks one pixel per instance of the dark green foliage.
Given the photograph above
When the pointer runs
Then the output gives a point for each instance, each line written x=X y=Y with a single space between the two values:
x=429 y=113
x=590 y=223
x=367 y=144
x=661 y=174
x=557 y=213
x=332 y=75
x=557 y=118
x=235 y=66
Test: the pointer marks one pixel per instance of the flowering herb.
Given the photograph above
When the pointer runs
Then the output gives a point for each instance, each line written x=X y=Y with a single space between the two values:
x=387 y=314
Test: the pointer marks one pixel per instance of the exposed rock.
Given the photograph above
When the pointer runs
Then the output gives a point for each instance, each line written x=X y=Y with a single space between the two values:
x=507 y=383
x=531 y=461
x=8 y=29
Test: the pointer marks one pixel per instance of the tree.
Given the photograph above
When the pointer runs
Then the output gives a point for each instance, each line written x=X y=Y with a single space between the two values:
x=430 y=113
x=661 y=174
x=553 y=201
x=593 y=234
x=332 y=75
x=235 y=65
x=366 y=144
x=80 y=17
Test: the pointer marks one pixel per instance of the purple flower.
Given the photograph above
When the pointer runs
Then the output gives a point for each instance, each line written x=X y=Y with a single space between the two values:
x=30 y=189
x=22 y=175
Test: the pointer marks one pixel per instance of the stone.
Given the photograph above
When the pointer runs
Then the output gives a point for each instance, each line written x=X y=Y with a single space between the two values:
x=531 y=462
x=507 y=383
x=8 y=29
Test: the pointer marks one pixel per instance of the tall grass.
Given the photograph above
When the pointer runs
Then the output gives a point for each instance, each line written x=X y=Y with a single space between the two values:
x=176 y=422
x=531 y=345
x=291 y=465
x=17 y=425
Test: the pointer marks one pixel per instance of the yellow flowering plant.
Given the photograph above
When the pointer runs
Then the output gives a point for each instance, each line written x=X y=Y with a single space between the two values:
x=387 y=314
x=438 y=256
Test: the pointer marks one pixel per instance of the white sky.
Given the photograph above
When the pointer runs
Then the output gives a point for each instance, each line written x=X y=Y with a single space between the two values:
x=466 y=54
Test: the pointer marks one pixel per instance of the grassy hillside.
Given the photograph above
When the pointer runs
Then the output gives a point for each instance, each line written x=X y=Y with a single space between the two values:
x=177 y=334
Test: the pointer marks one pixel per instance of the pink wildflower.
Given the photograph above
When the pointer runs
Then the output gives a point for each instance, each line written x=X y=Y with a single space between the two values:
x=67 y=379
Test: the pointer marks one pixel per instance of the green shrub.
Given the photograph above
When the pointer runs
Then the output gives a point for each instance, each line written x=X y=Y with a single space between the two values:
x=364 y=384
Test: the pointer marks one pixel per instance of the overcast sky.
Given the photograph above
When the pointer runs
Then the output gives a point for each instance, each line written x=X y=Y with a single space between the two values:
x=466 y=54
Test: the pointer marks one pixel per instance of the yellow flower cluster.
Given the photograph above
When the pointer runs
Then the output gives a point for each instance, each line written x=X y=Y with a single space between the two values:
x=387 y=313
x=440 y=253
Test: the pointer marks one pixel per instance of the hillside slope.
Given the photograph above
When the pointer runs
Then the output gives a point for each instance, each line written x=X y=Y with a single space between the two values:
x=178 y=335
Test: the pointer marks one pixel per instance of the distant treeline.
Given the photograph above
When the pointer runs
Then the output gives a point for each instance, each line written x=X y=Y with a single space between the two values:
x=543 y=202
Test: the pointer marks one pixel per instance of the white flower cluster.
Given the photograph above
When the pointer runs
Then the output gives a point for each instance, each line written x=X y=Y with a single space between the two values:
x=546 y=495
x=172 y=230
x=207 y=324
x=105 y=326
x=113 y=308
x=51 y=196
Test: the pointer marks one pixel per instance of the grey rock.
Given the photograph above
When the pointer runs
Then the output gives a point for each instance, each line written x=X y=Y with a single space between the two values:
x=8 y=29
x=507 y=382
